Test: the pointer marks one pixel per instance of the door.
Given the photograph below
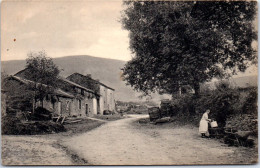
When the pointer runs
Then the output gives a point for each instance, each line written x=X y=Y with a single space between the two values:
x=59 y=108
x=87 y=109
x=98 y=107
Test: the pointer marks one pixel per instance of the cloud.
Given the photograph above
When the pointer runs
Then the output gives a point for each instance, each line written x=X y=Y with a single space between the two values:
x=62 y=28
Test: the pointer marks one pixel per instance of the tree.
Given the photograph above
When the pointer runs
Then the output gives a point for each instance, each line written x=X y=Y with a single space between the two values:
x=43 y=72
x=187 y=43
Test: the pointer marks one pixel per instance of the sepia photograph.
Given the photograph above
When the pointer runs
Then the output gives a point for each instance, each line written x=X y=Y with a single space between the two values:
x=128 y=82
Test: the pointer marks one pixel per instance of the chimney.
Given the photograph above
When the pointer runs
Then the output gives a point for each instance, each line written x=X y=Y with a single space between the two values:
x=89 y=75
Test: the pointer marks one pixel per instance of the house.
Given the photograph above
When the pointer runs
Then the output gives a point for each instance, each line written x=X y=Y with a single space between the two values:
x=56 y=102
x=85 y=100
x=70 y=99
x=106 y=100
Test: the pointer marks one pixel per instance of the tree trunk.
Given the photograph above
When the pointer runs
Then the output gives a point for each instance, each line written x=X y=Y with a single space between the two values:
x=34 y=102
x=179 y=89
x=42 y=103
x=33 y=105
x=196 y=87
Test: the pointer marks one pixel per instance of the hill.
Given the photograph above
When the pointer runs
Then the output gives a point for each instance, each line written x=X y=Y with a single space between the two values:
x=245 y=81
x=106 y=70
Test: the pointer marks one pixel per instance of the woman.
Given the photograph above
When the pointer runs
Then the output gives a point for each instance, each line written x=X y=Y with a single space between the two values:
x=203 y=129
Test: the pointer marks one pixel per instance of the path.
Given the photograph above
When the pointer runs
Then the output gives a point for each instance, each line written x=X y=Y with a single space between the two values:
x=121 y=143
x=25 y=150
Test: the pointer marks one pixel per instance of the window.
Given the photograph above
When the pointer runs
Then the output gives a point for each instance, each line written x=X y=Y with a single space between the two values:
x=82 y=92
x=79 y=104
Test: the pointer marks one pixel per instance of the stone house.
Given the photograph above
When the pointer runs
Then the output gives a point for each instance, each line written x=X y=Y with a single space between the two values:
x=106 y=101
x=55 y=102
x=70 y=99
x=85 y=100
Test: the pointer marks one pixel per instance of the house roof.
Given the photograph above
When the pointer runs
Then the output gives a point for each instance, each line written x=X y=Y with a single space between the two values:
x=58 y=91
x=93 y=80
x=20 y=72
x=77 y=85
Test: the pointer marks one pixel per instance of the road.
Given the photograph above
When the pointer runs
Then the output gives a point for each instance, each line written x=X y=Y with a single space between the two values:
x=123 y=143
x=25 y=150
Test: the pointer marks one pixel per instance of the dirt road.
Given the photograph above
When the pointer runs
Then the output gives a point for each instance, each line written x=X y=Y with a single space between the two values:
x=123 y=143
x=24 y=150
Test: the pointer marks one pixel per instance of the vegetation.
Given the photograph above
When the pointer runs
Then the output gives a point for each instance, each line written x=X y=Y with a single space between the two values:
x=223 y=102
x=42 y=70
x=18 y=96
x=109 y=117
x=13 y=126
x=187 y=43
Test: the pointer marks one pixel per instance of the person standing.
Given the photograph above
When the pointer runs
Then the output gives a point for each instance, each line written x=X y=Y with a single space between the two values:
x=203 y=128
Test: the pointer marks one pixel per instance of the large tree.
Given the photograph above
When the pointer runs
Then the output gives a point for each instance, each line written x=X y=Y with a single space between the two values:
x=43 y=72
x=187 y=43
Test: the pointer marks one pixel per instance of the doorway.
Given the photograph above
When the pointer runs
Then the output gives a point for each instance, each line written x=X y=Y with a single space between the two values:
x=87 y=109
x=59 y=108
x=98 y=106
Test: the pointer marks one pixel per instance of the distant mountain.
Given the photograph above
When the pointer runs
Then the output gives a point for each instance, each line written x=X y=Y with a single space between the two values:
x=244 y=81
x=106 y=70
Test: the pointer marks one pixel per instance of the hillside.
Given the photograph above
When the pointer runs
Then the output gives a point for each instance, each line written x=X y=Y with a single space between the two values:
x=106 y=70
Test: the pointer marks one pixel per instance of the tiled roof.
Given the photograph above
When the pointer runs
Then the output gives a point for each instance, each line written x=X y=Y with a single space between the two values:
x=58 y=91
x=93 y=80
x=77 y=85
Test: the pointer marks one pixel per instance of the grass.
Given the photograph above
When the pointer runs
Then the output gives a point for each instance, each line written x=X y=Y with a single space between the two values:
x=109 y=117
x=81 y=127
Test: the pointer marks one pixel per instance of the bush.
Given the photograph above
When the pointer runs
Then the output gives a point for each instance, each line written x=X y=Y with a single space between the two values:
x=9 y=125
x=107 y=112
x=13 y=126
x=220 y=101
x=41 y=114
x=223 y=102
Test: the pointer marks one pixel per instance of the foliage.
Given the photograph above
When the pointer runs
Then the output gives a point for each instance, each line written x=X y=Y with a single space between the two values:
x=13 y=126
x=224 y=101
x=42 y=70
x=18 y=96
x=9 y=125
x=220 y=101
x=186 y=43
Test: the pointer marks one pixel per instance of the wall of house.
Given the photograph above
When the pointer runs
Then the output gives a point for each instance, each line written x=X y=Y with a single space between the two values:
x=94 y=106
x=74 y=108
x=60 y=107
x=65 y=106
x=101 y=104
x=107 y=101
x=110 y=100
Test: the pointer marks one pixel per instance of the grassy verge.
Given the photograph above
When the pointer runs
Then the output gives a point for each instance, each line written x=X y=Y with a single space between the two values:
x=109 y=117
x=45 y=149
x=81 y=127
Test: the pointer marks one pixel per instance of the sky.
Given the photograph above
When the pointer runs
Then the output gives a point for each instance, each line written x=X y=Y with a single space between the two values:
x=62 y=28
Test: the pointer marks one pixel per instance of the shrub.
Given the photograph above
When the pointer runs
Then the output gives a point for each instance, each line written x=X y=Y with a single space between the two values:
x=9 y=125
x=220 y=101
x=13 y=126
x=223 y=101
x=41 y=114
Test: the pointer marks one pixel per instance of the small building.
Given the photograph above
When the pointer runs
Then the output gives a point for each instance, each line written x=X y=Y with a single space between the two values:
x=70 y=99
x=85 y=100
x=106 y=100
x=56 y=102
